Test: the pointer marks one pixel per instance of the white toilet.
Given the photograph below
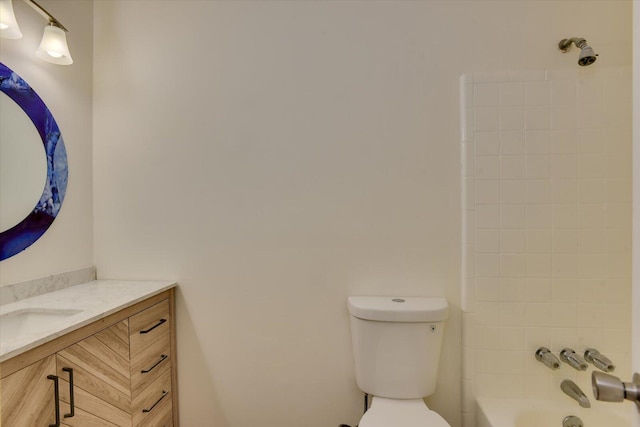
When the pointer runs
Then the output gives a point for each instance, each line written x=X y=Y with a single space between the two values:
x=396 y=348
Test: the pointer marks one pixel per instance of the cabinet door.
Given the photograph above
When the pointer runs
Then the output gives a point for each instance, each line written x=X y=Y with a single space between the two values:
x=27 y=396
x=101 y=379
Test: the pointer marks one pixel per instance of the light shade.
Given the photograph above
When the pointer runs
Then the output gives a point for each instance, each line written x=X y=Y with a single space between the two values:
x=53 y=47
x=8 y=25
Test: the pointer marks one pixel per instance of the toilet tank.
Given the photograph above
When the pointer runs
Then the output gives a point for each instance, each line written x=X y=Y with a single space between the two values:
x=396 y=344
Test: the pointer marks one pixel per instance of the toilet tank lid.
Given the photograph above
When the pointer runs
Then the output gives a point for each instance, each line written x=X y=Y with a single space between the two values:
x=399 y=309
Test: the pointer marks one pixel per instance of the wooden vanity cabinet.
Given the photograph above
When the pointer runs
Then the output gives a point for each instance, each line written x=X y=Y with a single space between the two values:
x=118 y=372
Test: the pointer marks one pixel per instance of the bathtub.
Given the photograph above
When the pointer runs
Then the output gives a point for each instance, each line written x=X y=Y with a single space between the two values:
x=492 y=412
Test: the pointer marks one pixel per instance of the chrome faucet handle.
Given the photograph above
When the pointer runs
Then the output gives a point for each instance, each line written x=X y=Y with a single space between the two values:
x=573 y=359
x=609 y=388
x=572 y=390
x=544 y=355
x=598 y=360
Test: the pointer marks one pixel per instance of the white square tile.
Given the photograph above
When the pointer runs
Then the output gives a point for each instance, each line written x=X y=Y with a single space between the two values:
x=592 y=215
x=590 y=91
x=565 y=241
x=538 y=290
x=487 y=240
x=485 y=94
x=589 y=315
x=618 y=266
x=618 y=140
x=593 y=240
x=564 y=191
x=565 y=216
x=512 y=314
x=487 y=289
x=592 y=266
x=618 y=190
x=512 y=265
x=537 y=118
x=487 y=118
x=591 y=141
x=564 y=290
x=487 y=191
x=564 y=141
x=487 y=216
x=538 y=265
x=512 y=289
x=511 y=118
x=590 y=116
x=618 y=166
x=564 y=166
x=538 y=314
x=487 y=167
x=591 y=191
x=538 y=141
x=512 y=142
x=512 y=167
x=512 y=191
x=563 y=92
x=488 y=314
x=512 y=240
x=591 y=166
x=618 y=241
x=538 y=191
x=537 y=93
x=512 y=216
x=539 y=241
x=536 y=337
x=564 y=315
x=487 y=265
x=511 y=94
x=539 y=216
x=512 y=338
x=487 y=143
x=538 y=166
x=564 y=117
x=565 y=266
x=562 y=338
x=618 y=215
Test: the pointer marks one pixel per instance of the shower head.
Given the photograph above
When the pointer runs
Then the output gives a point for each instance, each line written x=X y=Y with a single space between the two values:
x=587 y=55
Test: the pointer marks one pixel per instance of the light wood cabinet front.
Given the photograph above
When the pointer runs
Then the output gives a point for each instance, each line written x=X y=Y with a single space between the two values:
x=27 y=396
x=119 y=374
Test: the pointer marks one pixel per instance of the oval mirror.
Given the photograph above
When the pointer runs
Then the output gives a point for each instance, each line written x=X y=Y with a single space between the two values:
x=33 y=165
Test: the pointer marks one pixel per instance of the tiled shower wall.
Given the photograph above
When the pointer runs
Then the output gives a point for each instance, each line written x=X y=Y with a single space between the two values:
x=547 y=227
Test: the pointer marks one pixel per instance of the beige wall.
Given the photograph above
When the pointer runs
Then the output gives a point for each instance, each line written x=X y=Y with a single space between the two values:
x=68 y=244
x=275 y=157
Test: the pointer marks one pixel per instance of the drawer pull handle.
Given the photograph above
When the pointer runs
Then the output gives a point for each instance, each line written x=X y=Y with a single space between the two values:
x=162 y=359
x=71 y=400
x=56 y=393
x=164 y=394
x=146 y=331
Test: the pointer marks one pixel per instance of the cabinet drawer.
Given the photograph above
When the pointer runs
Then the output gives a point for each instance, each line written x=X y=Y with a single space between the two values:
x=148 y=326
x=149 y=364
x=152 y=408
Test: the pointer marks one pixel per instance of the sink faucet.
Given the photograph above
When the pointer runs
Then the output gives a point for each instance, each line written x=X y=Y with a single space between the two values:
x=572 y=390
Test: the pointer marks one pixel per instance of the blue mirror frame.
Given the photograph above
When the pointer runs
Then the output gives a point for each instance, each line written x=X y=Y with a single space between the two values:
x=25 y=233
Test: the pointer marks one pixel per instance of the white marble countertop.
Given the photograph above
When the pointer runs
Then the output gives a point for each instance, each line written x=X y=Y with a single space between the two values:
x=94 y=301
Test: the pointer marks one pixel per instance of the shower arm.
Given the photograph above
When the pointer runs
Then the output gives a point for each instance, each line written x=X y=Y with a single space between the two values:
x=565 y=44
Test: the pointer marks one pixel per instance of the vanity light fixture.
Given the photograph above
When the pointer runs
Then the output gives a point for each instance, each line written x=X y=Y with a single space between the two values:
x=53 y=47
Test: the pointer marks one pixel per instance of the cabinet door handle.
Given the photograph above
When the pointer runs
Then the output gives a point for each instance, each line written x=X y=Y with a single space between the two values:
x=162 y=359
x=71 y=400
x=146 y=331
x=56 y=393
x=164 y=394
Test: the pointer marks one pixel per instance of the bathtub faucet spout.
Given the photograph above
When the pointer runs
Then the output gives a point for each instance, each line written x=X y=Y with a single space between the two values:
x=572 y=390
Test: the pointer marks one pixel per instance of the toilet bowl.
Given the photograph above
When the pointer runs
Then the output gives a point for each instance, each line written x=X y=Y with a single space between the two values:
x=400 y=413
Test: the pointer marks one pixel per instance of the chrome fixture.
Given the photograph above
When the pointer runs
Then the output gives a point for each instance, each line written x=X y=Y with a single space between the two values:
x=601 y=362
x=53 y=47
x=572 y=421
x=573 y=359
x=609 y=388
x=572 y=390
x=544 y=355
x=587 y=55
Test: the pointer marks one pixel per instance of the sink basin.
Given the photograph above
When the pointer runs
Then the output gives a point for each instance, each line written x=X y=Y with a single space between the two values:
x=30 y=320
